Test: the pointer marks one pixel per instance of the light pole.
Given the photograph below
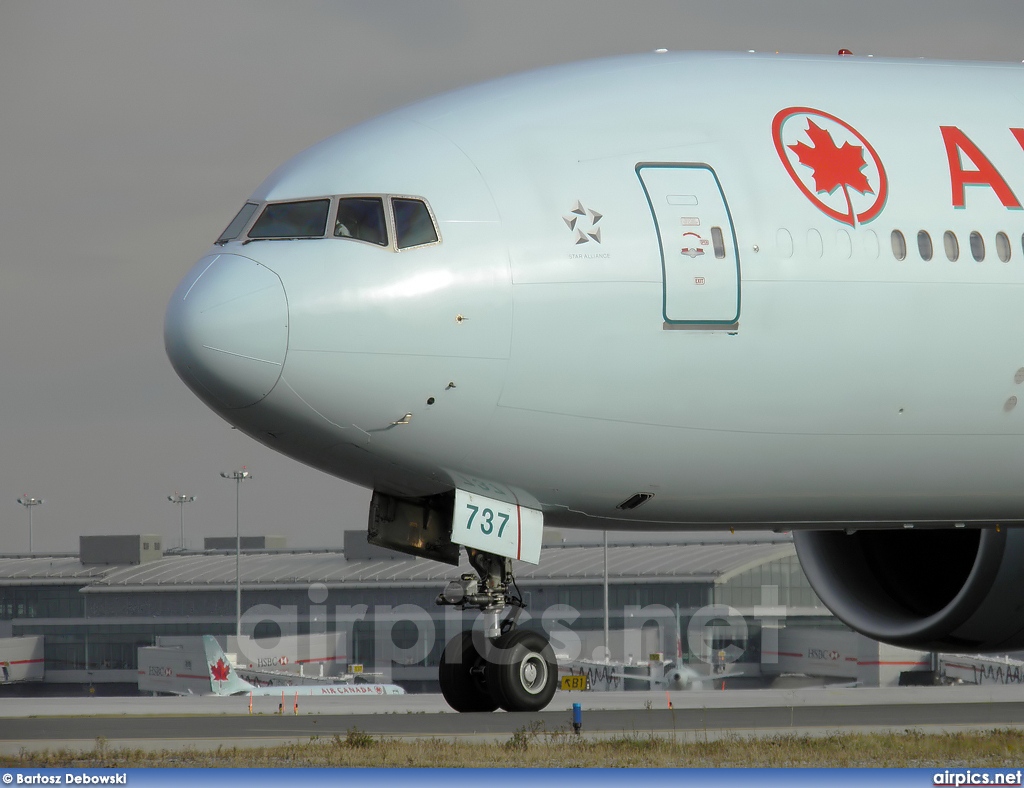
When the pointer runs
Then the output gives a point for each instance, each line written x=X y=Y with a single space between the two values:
x=29 y=502
x=181 y=500
x=607 y=652
x=239 y=477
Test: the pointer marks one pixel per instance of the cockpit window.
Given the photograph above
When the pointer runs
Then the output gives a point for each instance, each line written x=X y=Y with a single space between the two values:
x=413 y=223
x=362 y=218
x=307 y=219
x=235 y=228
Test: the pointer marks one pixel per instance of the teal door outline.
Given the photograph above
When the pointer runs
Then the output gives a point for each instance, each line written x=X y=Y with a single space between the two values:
x=700 y=261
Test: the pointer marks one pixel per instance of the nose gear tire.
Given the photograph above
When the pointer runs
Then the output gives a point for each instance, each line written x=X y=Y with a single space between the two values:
x=521 y=672
x=462 y=673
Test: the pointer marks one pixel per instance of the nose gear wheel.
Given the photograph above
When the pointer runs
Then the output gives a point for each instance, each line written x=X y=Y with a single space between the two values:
x=521 y=671
x=502 y=666
x=462 y=674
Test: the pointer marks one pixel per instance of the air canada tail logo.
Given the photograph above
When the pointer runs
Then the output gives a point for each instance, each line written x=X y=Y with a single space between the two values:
x=831 y=163
x=220 y=670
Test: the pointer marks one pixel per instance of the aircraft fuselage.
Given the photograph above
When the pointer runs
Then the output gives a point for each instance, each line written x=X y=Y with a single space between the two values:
x=664 y=274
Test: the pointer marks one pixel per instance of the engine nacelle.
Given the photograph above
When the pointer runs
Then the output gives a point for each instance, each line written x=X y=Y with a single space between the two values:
x=956 y=589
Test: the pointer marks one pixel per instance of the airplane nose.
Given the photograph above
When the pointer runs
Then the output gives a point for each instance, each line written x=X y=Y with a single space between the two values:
x=226 y=330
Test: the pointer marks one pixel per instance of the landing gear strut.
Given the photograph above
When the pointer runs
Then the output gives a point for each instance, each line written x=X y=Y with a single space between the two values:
x=503 y=666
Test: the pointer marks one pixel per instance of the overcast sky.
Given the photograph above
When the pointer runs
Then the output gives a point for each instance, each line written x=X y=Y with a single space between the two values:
x=131 y=133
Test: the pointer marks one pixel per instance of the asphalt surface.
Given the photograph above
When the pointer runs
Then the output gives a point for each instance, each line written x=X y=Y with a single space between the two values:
x=172 y=723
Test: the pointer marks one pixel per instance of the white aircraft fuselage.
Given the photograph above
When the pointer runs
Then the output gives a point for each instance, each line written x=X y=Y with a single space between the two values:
x=665 y=291
x=579 y=334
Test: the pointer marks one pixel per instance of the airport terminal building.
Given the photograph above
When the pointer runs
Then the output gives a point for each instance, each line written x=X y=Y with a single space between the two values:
x=96 y=609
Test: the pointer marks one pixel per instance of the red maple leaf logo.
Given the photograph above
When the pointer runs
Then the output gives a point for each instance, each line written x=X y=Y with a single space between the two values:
x=853 y=168
x=833 y=167
x=220 y=670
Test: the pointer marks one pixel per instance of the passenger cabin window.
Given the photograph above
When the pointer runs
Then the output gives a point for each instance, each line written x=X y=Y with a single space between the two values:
x=815 y=244
x=362 y=218
x=977 y=247
x=784 y=242
x=1003 y=247
x=872 y=246
x=241 y=219
x=924 y=245
x=951 y=245
x=306 y=219
x=413 y=223
x=899 y=245
x=844 y=244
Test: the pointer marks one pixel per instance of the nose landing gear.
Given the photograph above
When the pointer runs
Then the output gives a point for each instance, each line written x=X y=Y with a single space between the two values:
x=501 y=667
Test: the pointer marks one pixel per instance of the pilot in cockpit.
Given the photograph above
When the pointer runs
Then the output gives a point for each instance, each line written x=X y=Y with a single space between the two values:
x=361 y=218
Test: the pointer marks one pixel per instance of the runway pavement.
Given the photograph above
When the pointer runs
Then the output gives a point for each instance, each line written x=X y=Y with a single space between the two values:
x=172 y=723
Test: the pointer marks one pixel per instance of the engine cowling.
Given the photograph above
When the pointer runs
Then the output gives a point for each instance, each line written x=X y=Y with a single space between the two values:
x=956 y=589
x=678 y=679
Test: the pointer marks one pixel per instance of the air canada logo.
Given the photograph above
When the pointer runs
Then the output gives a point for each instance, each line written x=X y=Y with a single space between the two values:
x=583 y=223
x=220 y=670
x=831 y=163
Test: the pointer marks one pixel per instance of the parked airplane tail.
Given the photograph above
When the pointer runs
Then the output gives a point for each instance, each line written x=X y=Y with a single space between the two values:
x=223 y=678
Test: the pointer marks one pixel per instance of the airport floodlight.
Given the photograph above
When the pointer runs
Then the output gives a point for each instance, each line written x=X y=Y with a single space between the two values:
x=181 y=500
x=607 y=653
x=29 y=502
x=238 y=477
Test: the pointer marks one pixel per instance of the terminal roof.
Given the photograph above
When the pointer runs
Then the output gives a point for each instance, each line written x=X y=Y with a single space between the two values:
x=699 y=561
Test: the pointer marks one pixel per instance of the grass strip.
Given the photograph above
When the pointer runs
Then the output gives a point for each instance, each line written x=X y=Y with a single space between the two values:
x=534 y=747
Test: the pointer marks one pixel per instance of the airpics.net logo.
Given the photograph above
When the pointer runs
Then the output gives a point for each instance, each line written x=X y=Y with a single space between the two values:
x=957 y=778
x=832 y=163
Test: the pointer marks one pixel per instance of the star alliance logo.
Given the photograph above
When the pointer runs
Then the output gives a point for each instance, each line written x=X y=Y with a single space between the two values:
x=576 y=219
